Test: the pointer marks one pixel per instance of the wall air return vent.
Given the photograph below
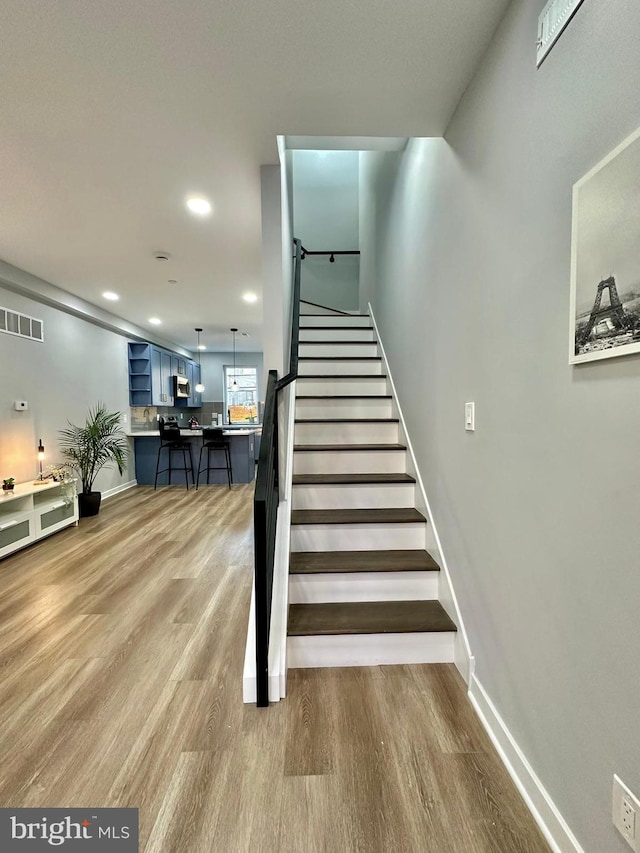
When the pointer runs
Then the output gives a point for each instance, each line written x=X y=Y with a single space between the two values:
x=13 y=323
x=552 y=21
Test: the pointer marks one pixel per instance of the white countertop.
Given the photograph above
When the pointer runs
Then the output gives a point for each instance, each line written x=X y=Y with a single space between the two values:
x=155 y=433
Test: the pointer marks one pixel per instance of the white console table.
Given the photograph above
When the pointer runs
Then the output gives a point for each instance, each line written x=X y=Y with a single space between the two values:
x=29 y=513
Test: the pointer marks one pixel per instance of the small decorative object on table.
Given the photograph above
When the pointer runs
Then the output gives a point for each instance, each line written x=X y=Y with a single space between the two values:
x=8 y=484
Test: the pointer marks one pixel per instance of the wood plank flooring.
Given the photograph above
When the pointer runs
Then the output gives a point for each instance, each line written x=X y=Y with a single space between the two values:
x=121 y=653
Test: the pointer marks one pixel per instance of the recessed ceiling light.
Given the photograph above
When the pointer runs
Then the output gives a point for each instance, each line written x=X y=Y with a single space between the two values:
x=155 y=321
x=250 y=297
x=111 y=296
x=200 y=206
x=201 y=346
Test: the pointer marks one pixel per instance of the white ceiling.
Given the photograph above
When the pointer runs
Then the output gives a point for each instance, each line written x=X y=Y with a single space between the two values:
x=113 y=111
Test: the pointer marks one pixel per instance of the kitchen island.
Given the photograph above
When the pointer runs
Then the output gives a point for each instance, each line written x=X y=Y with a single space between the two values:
x=241 y=444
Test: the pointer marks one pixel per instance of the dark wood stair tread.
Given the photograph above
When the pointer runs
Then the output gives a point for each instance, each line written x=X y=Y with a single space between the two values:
x=339 y=357
x=305 y=448
x=347 y=420
x=347 y=562
x=342 y=376
x=343 y=396
x=349 y=479
x=368 y=617
x=337 y=343
x=390 y=515
x=333 y=328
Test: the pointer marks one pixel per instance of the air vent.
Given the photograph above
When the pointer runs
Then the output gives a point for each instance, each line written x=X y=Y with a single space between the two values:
x=553 y=19
x=13 y=323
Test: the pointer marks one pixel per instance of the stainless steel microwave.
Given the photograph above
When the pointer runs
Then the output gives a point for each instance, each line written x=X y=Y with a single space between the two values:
x=181 y=386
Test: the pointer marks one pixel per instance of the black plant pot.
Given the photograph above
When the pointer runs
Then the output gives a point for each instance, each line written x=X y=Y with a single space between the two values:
x=7 y=488
x=89 y=503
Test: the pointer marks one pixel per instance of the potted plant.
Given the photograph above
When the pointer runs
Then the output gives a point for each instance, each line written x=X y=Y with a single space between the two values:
x=88 y=449
x=8 y=484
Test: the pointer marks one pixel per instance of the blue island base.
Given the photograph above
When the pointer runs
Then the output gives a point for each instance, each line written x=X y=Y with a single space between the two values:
x=242 y=460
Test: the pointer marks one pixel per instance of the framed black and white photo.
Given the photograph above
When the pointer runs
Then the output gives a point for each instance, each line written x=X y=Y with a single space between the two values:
x=605 y=257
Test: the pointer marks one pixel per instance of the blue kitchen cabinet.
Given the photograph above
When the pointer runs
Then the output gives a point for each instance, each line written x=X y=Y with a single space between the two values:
x=151 y=372
x=179 y=365
x=194 y=400
x=161 y=384
x=139 y=373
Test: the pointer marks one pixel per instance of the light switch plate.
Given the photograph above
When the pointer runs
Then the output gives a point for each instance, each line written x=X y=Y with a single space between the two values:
x=470 y=416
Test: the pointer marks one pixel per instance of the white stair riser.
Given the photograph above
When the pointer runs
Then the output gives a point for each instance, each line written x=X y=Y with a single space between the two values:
x=336 y=334
x=334 y=320
x=384 y=432
x=350 y=407
x=348 y=387
x=357 y=537
x=354 y=496
x=316 y=310
x=338 y=350
x=366 y=368
x=363 y=586
x=370 y=649
x=350 y=462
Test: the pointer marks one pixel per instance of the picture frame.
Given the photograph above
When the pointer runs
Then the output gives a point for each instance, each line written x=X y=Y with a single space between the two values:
x=605 y=257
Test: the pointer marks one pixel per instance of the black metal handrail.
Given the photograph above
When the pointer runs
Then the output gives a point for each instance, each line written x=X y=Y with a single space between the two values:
x=265 y=509
x=331 y=252
x=295 y=318
x=266 y=497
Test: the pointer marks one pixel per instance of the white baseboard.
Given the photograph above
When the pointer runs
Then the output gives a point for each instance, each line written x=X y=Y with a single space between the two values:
x=544 y=811
x=249 y=685
x=110 y=493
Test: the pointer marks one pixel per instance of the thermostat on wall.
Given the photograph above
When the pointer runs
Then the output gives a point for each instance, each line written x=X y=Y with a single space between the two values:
x=21 y=405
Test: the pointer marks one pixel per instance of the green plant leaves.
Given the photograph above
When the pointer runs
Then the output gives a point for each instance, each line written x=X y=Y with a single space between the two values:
x=97 y=444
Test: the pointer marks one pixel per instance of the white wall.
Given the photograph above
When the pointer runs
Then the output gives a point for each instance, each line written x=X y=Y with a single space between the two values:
x=273 y=285
x=538 y=509
x=77 y=365
x=326 y=211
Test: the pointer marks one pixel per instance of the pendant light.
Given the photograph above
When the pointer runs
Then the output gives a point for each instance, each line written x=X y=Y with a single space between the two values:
x=199 y=386
x=234 y=384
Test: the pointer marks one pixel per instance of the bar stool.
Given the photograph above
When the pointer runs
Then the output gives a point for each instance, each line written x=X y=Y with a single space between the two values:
x=172 y=440
x=213 y=439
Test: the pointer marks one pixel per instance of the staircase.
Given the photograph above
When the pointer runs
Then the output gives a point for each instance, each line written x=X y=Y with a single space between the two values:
x=362 y=589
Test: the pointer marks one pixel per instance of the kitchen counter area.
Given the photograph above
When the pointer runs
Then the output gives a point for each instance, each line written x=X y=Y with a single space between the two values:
x=241 y=444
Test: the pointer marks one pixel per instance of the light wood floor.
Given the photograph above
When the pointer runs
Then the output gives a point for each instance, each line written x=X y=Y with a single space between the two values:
x=121 y=652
